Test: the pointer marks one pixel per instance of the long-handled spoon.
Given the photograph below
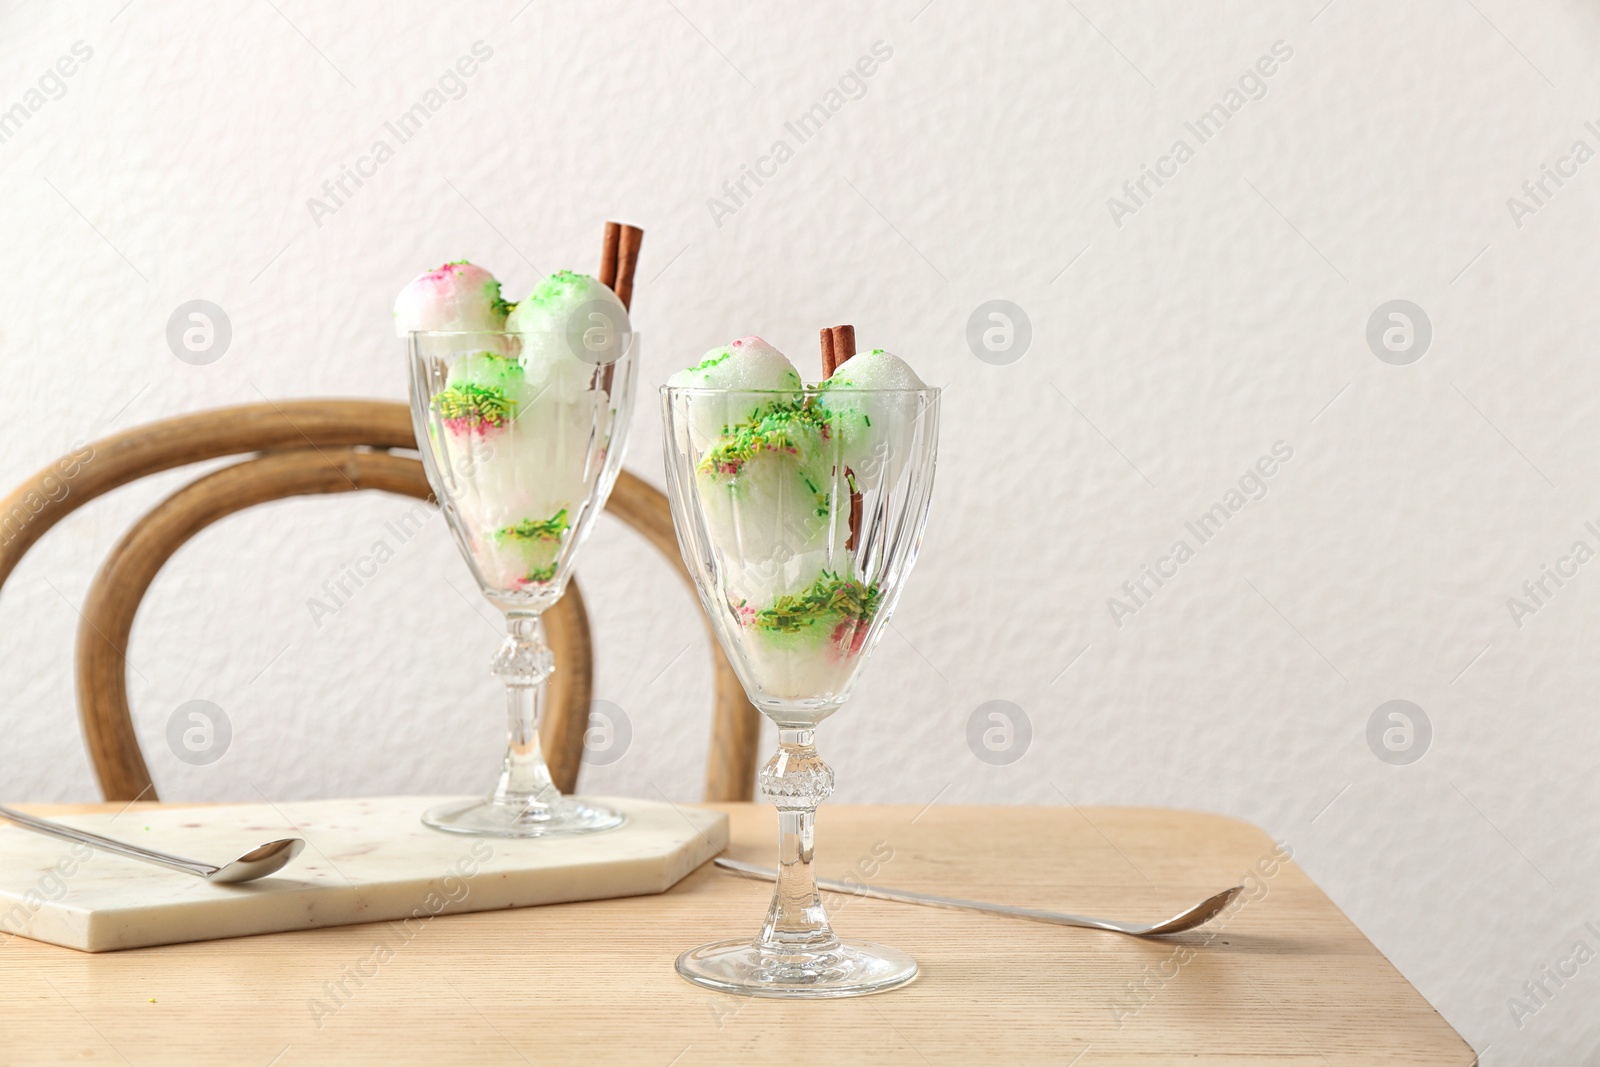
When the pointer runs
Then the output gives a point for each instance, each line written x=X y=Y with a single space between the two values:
x=1201 y=913
x=257 y=863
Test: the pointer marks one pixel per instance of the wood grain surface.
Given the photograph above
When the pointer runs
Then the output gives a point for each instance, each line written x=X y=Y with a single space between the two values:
x=1282 y=978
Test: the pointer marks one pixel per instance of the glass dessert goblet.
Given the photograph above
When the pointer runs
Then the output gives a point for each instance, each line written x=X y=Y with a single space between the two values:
x=799 y=514
x=522 y=437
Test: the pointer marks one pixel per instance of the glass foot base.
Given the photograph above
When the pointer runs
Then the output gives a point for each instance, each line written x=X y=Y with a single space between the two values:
x=562 y=817
x=853 y=969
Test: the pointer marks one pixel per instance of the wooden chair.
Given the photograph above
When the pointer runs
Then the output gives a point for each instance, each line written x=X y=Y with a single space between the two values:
x=295 y=448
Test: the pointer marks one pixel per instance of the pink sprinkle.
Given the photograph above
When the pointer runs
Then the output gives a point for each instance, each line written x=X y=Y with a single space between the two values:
x=443 y=278
x=470 y=426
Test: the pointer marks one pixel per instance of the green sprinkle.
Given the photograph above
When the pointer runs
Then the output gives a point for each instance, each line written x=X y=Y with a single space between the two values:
x=785 y=427
x=549 y=529
x=474 y=404
x=501 y=305
x=556 y=286
x=719 y=356
x=830 y=598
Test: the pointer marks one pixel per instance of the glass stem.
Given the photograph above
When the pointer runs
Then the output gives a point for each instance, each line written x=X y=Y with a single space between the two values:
x=796 y=780
x=523 y=663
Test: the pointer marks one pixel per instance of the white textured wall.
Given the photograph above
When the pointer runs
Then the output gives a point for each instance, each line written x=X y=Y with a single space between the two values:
x=1172 y=346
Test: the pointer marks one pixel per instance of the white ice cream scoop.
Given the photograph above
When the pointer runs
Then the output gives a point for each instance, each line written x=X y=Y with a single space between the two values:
x=870 y=401
x=742 y=369
x=457 y=297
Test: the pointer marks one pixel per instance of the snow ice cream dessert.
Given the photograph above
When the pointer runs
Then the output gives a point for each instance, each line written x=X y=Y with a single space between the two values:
x=521 y=421
x=777 y=465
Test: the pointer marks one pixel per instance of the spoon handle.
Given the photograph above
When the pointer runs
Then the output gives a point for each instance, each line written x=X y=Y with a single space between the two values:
x=906 y=896
x=105 y=844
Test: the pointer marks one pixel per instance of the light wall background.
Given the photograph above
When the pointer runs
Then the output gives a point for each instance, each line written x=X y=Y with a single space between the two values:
x=1171 y=348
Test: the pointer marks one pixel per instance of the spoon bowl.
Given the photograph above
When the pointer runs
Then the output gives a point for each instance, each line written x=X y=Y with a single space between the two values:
x=259 y=862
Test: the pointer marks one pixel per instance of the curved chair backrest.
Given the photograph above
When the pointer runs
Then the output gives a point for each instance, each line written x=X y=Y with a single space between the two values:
x=297 y=448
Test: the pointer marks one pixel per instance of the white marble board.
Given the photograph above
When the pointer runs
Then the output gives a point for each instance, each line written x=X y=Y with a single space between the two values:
x=366 y=860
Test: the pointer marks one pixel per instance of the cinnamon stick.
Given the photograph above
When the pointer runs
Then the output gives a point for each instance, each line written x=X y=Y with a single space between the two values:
x=844 y=344
x=608 y=255
x=619 y=255
x=627 y=259
x=838 y=345
x=855 y=518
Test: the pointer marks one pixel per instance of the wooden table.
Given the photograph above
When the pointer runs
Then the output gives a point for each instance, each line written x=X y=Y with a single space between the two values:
x=1282 y=978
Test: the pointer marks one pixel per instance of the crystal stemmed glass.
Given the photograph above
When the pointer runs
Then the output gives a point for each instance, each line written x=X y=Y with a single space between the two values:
x=799 y=514
x=522 y=437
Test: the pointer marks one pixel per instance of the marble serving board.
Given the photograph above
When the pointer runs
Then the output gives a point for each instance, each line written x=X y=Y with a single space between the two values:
x=367 y=860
